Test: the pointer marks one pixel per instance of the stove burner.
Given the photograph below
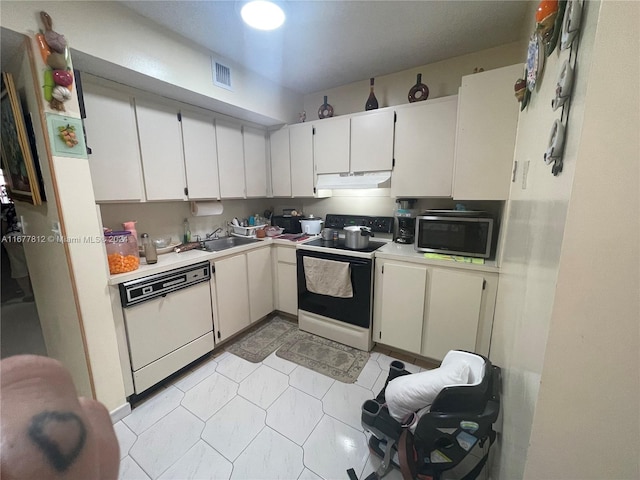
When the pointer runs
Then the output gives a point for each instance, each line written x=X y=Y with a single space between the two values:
x=340 y=245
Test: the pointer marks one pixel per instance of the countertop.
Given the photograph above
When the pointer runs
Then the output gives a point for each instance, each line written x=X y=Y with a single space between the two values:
x=406 y=253
x=391 y=251
x=169 y=261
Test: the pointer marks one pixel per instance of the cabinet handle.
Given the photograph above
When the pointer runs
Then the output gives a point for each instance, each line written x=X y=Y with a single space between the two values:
x=218 y=334
x=380 y=336
x=186 y=191
x=515 y=169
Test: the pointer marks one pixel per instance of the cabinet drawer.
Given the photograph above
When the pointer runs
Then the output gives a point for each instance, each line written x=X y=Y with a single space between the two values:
x=287 y=255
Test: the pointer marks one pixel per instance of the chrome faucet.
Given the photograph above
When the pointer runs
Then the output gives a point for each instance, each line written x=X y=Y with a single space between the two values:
x=214 y=234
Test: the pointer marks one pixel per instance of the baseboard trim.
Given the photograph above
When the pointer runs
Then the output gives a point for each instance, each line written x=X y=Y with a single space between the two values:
x=120 y=412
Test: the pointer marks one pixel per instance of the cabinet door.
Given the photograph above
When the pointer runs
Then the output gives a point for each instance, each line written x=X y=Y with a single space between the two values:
x=402 y=305
x=424 y=149
x=200 y=156
x=232 y=296
x=260 y=283
x=230 y=159
x=287 y=288
x=112 y=136
x=372 y=142
x=255 y=162
x=280 y=163
x=331 y=145
x=301 y=148
x=453 y=312
x=486 y=135
x=161 y=148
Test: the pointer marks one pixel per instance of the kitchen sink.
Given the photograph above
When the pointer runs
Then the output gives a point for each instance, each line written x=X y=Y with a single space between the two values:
x=218 y=244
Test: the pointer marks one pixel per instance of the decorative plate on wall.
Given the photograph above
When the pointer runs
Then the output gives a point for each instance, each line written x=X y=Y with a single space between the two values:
x=535 y=61
x=570 y=24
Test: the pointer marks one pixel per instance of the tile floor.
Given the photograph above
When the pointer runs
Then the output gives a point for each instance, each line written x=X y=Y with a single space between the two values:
x=229 y=418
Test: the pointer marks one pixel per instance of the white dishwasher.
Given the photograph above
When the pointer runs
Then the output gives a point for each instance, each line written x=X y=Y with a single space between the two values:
x=169 y=322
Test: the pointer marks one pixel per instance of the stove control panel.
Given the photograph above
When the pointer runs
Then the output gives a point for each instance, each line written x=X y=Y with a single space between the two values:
x=377 y=224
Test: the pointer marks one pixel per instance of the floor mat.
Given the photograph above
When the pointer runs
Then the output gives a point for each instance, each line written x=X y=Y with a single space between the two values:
x=258 y=345
x=324 y=356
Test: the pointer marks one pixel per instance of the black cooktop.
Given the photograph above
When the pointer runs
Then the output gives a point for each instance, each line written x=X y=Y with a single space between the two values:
x=340 y=245
x=376 y=224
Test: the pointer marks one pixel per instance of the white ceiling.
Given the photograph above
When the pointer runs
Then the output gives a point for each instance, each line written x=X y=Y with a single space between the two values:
x=325 y=44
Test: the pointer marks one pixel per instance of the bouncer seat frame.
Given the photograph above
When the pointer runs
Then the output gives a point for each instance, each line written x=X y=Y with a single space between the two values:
x=460 y=418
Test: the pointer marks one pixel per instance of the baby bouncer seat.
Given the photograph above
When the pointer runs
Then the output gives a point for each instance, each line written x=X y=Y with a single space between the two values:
x=434 y=423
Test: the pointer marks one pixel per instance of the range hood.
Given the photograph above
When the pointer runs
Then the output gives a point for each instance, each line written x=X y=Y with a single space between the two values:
x=353 y=180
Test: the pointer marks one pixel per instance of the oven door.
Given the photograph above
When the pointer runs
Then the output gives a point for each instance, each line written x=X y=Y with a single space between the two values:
x=355 y=310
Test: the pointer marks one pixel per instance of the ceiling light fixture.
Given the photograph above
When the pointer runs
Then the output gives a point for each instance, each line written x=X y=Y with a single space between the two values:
x=262 y=15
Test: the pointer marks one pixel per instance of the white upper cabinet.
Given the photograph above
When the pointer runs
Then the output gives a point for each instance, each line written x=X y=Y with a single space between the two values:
x=280 y=163
x=112 y=136
x=230 y=159
x=331 y=144
x=255 y=161
x=301 y=150
x=161 y=147
x=372 y=141
x=200 y=155
x=487 y=122
x=424 y=149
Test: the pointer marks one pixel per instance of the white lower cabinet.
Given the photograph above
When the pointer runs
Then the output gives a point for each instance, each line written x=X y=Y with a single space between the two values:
x=242 y=291
x=453 y=312
x=260 y=283
x=231 y=293
x=429 y=310
x=286 y=285
x=401 y=288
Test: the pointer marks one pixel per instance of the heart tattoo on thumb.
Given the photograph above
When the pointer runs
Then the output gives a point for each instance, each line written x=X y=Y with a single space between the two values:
x=60 y=435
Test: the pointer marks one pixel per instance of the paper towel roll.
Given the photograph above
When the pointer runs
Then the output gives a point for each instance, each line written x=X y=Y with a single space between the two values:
x=201 y=209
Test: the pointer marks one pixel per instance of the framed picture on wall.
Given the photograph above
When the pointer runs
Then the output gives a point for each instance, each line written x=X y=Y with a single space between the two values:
x=17 y=161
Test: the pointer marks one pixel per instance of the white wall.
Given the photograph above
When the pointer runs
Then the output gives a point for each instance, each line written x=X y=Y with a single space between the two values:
x=443 y=79
x=166 y=218
x=536 y=257
x=589 y=397
x=47 y=261
x=115 y=42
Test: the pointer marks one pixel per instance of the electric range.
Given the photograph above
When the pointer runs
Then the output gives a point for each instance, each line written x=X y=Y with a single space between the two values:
x=335 y=283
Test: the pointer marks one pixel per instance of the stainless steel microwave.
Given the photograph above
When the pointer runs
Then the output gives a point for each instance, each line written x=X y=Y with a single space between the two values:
x=455 y=233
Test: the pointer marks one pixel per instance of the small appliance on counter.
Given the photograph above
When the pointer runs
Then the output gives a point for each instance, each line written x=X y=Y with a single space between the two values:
x=404 y=221
x=311 y=225
x=290 y=224
x=455 y=232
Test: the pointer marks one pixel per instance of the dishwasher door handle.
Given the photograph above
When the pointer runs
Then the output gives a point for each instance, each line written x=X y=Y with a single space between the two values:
x=174 y=282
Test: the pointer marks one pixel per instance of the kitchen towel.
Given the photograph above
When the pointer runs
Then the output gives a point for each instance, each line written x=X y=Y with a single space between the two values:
x=201 y=209
x=328 y=277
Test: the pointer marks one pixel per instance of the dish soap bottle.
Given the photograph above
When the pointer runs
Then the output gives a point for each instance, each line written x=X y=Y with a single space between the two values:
x=150 y=253
x=187 y=232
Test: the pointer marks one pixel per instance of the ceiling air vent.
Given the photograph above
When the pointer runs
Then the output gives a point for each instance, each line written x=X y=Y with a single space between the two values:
x=221 y=75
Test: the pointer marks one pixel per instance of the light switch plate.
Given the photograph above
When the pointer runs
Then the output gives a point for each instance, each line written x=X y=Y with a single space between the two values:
x=525 y=173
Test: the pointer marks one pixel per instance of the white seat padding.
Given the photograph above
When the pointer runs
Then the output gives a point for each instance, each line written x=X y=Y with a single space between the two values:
x=409 y=393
